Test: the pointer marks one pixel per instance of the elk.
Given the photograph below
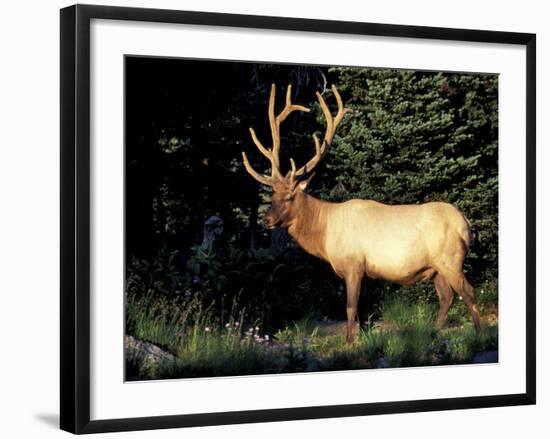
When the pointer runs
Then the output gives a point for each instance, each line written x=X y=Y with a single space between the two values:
x=404 y=244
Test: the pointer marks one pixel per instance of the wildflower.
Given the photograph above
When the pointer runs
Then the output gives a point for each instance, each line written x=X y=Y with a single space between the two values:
x=236 y=324
x=207 y=329
x=257 y=328
x=227 y=325
x=266 y=337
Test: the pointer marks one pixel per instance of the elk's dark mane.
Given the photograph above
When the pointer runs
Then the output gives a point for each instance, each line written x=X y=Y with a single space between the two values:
x=309 y=226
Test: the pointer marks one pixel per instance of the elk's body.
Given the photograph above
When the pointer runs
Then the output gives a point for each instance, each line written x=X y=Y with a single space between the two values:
x=398 y=243
x=401 y=243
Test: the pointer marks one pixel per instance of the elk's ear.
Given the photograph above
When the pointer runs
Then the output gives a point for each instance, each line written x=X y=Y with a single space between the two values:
x=302 y=185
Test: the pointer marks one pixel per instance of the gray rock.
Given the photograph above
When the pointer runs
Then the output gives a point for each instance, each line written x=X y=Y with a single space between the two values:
x=313 y=365
x=485 y=357
x=212 y=230
x=145 y=353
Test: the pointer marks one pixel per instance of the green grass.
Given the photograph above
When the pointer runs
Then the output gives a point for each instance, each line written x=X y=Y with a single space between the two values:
x=207 y=345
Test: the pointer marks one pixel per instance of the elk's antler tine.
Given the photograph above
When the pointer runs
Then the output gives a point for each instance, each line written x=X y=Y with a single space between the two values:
x=288 y=95
x=259 y=145
x=289 y=107
x=292 y=173
x=341 y=109
x=332 y=123
x=275 y=172
x=320 y=151
x=263 y=179
x=328 y=118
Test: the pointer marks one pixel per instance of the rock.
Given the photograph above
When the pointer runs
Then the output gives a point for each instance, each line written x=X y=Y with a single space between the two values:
x=382 y=363
x=145 y=353
x=212 y=230
x=485 y=357
x=313 y=365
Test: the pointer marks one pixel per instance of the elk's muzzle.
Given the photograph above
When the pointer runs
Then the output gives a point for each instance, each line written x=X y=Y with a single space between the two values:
x=269 y=222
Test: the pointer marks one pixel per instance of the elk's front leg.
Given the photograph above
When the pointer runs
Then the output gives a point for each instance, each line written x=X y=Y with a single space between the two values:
x=353 y=286
x=445 y=294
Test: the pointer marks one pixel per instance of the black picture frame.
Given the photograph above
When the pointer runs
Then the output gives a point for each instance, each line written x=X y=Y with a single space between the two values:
x=75 y=217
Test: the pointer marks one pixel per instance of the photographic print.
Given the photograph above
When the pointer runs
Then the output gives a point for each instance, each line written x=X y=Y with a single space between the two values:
x=288 y=209
x=285 y=218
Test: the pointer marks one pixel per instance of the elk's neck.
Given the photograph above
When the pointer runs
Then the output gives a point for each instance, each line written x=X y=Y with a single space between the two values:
x=309 y=224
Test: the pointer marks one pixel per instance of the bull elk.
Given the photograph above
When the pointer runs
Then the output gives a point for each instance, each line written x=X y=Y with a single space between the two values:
x=404 y=244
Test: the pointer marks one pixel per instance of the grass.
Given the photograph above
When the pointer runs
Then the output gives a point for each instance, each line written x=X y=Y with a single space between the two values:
x=207 y=345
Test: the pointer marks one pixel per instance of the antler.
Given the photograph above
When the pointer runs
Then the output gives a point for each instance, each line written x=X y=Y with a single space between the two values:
x=321 y=149
x=275 y=124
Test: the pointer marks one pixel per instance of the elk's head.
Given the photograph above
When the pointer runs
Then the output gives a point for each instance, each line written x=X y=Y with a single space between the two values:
x=287 y=188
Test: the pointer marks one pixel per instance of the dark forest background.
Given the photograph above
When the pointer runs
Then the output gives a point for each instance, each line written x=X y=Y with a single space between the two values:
x=411 y=137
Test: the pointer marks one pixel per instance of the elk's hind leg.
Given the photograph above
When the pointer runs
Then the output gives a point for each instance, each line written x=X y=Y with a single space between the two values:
x=445 y=294
x=460 y=284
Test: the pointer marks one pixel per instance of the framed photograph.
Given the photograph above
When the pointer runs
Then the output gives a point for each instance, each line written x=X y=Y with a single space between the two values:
x=259 y=214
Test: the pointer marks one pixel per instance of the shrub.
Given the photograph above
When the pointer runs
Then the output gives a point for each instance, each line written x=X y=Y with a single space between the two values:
x=277 y=287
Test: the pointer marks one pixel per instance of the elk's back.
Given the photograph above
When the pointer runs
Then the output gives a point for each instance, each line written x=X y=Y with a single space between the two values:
x=401 y=243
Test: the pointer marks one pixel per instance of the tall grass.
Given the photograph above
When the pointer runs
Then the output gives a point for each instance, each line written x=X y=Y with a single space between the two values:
x=209 y=345
x=204 y=344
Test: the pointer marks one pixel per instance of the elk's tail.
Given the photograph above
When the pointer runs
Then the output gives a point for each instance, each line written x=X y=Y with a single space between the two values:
x=468 y=236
